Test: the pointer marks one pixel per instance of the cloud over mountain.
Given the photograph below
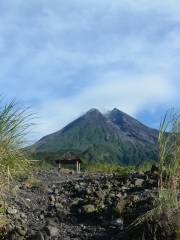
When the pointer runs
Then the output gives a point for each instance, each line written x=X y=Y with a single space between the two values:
x=63 y=57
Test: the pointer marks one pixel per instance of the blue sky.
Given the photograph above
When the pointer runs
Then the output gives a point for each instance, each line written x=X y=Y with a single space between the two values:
x=65 y=57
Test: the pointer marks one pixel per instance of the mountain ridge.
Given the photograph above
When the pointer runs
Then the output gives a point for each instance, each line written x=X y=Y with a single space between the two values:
x=112 y=137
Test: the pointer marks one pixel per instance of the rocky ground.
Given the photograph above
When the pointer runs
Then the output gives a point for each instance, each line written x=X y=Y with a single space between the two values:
x=83 y=207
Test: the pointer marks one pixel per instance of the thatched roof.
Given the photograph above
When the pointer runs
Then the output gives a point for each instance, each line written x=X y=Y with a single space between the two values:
x=68 y=158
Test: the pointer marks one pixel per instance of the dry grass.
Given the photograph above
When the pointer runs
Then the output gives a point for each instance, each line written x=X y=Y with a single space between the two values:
x=169 y=158
x=3 y=224
x=34 y=182
x=14 y=125
x=169 y=166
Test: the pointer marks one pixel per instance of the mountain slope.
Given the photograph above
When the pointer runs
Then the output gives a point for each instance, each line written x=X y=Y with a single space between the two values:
x=113 y=137
x=132 y=127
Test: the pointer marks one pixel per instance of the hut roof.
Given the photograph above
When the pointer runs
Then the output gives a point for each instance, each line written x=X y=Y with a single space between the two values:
x=69 y=158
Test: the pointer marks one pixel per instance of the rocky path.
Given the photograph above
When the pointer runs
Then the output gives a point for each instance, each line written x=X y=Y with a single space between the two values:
x=80 y=207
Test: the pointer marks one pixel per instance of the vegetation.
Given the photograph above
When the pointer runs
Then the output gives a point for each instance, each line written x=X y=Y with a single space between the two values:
x=14 y=125
x=117 y=139
x=108 y=168
x=169 y=158
x=145 y=166
x=169 y=173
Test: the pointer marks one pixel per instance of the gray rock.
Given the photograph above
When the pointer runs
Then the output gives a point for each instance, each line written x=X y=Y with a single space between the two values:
x=118 y=223
x=56 y=191
x=21 y=230
x=39 y=236
x=100 y=194
x=58 y=212
x=139 y=182
x=58 y=206
x=41 y=216
x=120 y=206
x=119 y=195
x=52 y=231
x=89 y=208
x=88 y=191
x=12 y=210
x=52 y=199
x=136 y=198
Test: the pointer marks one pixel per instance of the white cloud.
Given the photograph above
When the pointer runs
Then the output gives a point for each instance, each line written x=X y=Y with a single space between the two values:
x=129 y=95
x=64 y=57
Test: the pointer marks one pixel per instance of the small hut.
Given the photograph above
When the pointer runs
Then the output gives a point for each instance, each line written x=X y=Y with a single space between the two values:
x=70 y=159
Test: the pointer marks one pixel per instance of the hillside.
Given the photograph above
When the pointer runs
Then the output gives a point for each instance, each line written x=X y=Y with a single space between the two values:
x=113 y=137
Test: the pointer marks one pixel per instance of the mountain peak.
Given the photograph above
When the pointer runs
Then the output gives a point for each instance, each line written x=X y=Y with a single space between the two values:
x=94 y=115
x=93 y=110
x=115 y=110
x=114 y=136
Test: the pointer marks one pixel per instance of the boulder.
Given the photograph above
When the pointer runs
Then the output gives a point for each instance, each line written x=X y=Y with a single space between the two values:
x=89 y=208
x=139 y=182
x=52 y=230
x=12 y=210
x=118 y=222
x=119 y=207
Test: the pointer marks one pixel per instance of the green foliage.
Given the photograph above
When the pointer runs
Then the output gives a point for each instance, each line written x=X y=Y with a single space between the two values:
x=42 y=164
x=97 y=140
x=169 y=156
x=111 y=153
x=169 y=167
x=145 y=166
x=14 y=125
x=108 y=168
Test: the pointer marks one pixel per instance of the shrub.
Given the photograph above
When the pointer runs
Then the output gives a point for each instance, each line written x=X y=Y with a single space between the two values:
x=169 y=157
x=14 y=125
x=108 y=168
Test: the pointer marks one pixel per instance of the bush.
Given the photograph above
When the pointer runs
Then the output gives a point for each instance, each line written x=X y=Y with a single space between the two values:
x=108 y=168
x=169 y=157
x=14 y=125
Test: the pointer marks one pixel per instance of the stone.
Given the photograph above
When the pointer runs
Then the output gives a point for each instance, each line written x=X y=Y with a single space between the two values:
x=124 y=188
x=88 y=191
x=120 y=206
x=77 y=188
x=117 y=223
x=41 y=217
x=58 y=206
x=38 y=236
x=50 y=190
x=23 y=215
x=104 y=200
x=89 y=208
x=136 y=198
x=119 y=195
x=56 y=191
x=12 y=210
x=99 y=194
x=52 y=231
x=21 y=231
x=52 y=198
x=139 y=182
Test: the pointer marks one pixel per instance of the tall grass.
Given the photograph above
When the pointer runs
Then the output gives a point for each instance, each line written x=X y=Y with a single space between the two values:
x=14 y=126
x=169 y=157
x=169 y=173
